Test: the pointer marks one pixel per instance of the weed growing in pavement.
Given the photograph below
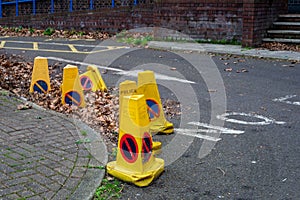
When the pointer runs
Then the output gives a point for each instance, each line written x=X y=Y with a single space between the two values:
x=4 y=92
x=109 y=189
x=86 y=140
x=31 y=30
x=84 y=133
x=114 y=153
x=49 y=31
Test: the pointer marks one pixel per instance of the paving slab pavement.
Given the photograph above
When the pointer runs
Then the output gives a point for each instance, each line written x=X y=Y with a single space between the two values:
x=43 y=157
x=224 y=49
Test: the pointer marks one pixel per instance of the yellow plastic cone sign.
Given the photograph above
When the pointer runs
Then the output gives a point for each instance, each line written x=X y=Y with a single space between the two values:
x=147 y=86
x=72 y=92
x=92 y=80
x=128 y=88
x=40 y=80
x=135 y=161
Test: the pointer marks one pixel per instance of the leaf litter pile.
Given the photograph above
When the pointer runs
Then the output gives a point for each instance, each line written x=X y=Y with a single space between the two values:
x=102 y=108
x=51 y=32
x=276 y=46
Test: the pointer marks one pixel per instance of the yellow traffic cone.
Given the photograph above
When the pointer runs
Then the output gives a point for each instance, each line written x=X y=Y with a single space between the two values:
x=92 y=80
x=147 y=86
x=72 y=92
x=135 y=161
x=40 y=80
x=128 y=88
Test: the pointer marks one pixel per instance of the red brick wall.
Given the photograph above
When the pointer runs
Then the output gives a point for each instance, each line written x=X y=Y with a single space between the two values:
x=202 y=19
x=242 y=20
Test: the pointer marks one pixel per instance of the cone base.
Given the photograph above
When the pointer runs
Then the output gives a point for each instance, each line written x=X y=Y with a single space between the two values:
x=156 y=148
x=139 y=179
x=163 y=129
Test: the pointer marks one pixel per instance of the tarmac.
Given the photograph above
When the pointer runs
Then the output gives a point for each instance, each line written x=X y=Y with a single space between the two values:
x=46 y=155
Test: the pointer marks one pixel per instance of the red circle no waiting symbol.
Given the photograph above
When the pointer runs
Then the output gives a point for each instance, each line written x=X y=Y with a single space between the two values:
x=146 y=147
x=129 y=148
x=86 y=83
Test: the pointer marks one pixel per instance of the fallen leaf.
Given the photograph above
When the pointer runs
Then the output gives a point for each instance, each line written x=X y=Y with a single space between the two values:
x=24 y=106
x=212 y=90
x=228 y=69
x=242 y=70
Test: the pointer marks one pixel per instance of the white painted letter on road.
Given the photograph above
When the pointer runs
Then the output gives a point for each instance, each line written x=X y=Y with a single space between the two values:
x=265 y=120
x=285 y=100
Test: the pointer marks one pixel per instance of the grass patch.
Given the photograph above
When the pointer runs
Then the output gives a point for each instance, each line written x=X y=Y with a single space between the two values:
x=137 y=39
x=95 y=167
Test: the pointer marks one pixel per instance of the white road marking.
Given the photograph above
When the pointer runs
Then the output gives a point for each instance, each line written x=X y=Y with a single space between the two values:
x=193 y=133
x=284 y=100
x=216 y=129
x=134 y=73
x=122 y=72
x=83 y=64
x=266 y=121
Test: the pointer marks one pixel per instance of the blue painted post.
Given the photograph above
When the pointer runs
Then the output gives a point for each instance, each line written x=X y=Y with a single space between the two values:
x=135 y=2
x=0 y=8
x=91 y=5
x=71 y=6
x=113 y=3
x=33 y=7
x=17 y=8
x=52 y=6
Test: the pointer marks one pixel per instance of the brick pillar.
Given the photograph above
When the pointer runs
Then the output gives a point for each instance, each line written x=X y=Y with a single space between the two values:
x=258 y=16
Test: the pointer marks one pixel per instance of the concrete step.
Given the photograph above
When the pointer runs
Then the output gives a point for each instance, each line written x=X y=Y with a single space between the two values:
x=289 y=18
x=287 y=34
x=282 y=40
x=292 y=32
x=286 y=26
x=286 y=23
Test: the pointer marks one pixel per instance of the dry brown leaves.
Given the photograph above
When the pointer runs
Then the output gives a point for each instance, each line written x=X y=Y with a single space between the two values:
x=171 y=108
x=71 y=34
x=102 y=108
x=275 y=46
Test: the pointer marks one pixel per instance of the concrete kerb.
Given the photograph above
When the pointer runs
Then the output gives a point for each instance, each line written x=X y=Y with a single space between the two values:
x=93 y=177
x=224 y=49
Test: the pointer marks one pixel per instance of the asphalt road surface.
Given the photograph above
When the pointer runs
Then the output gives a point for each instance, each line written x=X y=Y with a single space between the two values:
x=238 y=134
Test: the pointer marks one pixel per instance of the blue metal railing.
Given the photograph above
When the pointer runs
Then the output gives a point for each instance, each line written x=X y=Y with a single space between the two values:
x=17 y=5
x=16 y=2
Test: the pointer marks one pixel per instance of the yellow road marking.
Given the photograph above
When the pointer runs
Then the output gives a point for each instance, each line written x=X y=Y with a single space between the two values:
x=2 y=44
x=71 y=46
x=35 y=46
